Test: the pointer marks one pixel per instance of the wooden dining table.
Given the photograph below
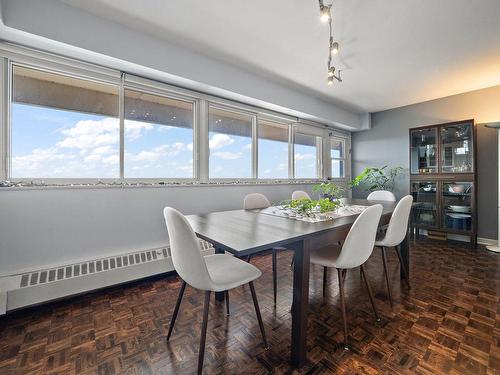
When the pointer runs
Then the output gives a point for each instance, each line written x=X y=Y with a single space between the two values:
x=246 y=232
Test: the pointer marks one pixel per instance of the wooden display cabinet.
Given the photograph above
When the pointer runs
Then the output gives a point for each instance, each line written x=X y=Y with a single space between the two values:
x=443 y=179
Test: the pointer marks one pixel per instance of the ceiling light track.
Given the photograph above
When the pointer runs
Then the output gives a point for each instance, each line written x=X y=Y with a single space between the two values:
x=333 y=47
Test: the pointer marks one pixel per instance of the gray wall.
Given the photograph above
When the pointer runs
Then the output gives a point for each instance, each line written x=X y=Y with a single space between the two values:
x=387 y=143
x=41 y=227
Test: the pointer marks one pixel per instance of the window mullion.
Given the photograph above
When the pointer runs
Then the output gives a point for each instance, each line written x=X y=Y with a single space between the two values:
x=255 y=147
x=203 y=141
x=4 y=120
x=121 y=114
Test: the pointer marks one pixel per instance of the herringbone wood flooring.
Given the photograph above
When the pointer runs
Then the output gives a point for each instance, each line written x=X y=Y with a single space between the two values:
x=449 y=322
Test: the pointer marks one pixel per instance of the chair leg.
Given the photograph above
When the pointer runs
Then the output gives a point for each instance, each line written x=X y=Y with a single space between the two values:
x=384 y=260
x=176 y=309
x=325 y=277
x=275 y=275
x=257 y=312
x=201 y=353
x=370 y=294
x=248 y=258
x=342 y=306
x=344 y=274
x=405 y=271
x=293 y=261
x=227 y=302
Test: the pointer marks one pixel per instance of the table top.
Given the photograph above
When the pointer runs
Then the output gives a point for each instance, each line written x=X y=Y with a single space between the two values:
x=244 y=232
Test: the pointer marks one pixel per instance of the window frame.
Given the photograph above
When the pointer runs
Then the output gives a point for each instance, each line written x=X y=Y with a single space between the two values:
x=71 y=73
x=277 y=121
x=253 y=167
x=319 y=154
x=162 y=92
x=343 y=159
x=11 y=55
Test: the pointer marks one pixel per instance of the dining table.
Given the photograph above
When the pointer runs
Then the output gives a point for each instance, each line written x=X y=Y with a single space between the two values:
x=246 y=232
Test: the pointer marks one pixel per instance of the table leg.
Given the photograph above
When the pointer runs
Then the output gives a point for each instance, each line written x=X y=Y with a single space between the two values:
x=300 y=304
x=219 y=296
x=404 y=247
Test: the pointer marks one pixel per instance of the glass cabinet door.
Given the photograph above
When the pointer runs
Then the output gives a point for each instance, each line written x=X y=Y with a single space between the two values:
x=425 y=203
x=457 y=206
x=423 y=151
x=456 y=148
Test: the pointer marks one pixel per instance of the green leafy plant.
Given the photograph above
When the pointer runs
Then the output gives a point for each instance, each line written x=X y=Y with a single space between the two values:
x=377 y=178
x=306 y=206
x=329 y=190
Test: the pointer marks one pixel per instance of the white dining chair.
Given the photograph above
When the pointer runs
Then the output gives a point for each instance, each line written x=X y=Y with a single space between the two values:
x=394 y=235
x=381 y=195
x=357 y=248
x=300 y=194
x=255 y=201
x=212 y=273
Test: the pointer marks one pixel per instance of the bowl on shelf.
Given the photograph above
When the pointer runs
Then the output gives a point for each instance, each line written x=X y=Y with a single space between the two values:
x=457 y=189
x=459 y=208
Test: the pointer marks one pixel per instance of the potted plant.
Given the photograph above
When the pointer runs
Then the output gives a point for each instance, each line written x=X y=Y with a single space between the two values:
x=377 y=178
x=329 y=190
x=307 y=207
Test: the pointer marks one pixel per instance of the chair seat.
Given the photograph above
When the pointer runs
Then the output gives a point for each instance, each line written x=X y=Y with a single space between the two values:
x=326 y=256
x=228 y=272
x=382 y=241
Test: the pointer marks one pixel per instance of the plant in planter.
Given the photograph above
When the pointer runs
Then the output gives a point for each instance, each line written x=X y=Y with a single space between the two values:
x=306 y=207
x=329 y=190
x=377 y=178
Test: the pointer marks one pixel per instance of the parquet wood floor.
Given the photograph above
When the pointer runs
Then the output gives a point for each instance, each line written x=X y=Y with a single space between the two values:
x=449 y=322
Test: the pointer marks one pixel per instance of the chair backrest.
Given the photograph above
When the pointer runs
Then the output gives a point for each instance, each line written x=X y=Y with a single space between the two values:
x=358 y=245
x=398 y=225
x=381 y=195
x=255 y=200
x=185 y=250
x=298 y=194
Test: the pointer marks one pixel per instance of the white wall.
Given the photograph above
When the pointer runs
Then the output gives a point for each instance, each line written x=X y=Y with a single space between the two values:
x=49 y=23
x=41 y=227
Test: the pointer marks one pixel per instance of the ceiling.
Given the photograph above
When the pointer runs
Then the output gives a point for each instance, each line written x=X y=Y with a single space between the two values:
x=393 y=52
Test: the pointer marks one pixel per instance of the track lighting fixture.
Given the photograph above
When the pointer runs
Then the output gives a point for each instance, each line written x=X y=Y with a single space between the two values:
x=334 y=48
x=325 y=13
x=326 y=16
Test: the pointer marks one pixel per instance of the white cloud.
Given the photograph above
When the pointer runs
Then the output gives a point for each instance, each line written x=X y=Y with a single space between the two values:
x=247 y=147
x=135 y=129
x=225 y=155
x=219 y=141
x=299 y=156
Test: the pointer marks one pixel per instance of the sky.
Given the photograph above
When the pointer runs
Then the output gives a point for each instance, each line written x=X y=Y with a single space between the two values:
x=53 y=143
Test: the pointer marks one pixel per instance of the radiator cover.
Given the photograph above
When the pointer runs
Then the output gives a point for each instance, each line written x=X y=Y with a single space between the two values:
x=44 y=285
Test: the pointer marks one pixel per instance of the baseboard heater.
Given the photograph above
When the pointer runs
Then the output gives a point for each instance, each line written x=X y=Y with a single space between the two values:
x=44 y=285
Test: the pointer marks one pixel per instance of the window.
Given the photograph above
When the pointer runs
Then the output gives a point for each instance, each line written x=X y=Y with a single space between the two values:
x=273 y=149
x=337 y=155
x=230 y=144
x=307 y=150
x=63 y=127
x=158 y=133
x=70 y=121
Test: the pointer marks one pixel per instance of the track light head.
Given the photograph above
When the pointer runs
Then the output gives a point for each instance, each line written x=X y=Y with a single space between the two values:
x=334 y=48
x=325 y=14
x=331 y=71
x=330 y=80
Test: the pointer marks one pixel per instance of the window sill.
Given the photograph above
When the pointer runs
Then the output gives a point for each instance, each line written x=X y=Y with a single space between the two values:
x=18 y=185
